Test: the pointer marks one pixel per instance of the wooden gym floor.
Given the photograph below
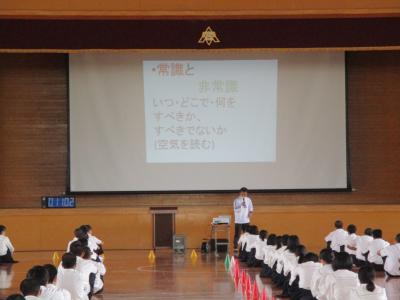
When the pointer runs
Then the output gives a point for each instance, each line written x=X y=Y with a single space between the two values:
x=130 y=275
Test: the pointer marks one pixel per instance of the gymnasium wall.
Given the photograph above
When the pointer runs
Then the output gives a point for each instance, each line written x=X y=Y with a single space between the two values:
x=33 y=163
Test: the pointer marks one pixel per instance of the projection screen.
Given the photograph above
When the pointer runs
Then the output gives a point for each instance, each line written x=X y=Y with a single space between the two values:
x=154 y=121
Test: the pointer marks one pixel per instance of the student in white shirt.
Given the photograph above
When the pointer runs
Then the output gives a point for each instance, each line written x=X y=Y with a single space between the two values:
x=318 y=281
x=305 y=272
x=362 y=247
x=260 y=244
x=52 y=291
x=269 y=251
x=71 y=279
x=367 y=290
x=340 y=283
x=392 y=261
x=30 y=288
x=351 y=244
x=243 y=208
x=374 y=247
x=251 y=242
x=94 y=243
x=337 y=239
x=6 y=248
x=41 y=274
x=90 y=271
x=278 y=277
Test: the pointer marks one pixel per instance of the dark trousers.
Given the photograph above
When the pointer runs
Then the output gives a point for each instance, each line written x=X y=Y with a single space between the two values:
x=238 y=230
x=7 y=258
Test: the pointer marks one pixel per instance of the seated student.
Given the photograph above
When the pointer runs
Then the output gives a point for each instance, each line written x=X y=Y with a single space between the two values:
x=290 y=260
x=351 y=244
x=291 y=286
x=91 y=271
x=278 y=257
x=6 y=248
x=71 y=279
x=243 y=243
x=367 y=290
x=339 y=284
x=250 y=244
x=242 y=239
x=362 y=247
x=92 y=242
x=15 y=297
x=281 y=274
x=30 y=288
x=392 y=261
x=336 y=240
x=261 y=242
x=318 y=280
x=80 y=235
x=52 y=292
x=375 y=246
x=269 y=251
x=305 y=272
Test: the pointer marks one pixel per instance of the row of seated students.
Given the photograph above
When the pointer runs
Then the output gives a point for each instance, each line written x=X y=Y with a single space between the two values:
x=79 y=276
x=305 y=275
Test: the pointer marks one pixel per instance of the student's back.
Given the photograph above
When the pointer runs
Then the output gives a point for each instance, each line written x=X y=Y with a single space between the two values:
x=72 y=281
x=340 y=283
x=392 y=254
x=367 y=290
x=376 y=246
x=51 y=292
x=363 y=243
x=361 y=293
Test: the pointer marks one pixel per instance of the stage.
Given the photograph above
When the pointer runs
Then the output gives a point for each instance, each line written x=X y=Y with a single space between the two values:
x=130 y=275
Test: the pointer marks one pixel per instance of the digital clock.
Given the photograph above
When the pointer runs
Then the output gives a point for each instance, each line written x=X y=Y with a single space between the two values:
x=58 y=202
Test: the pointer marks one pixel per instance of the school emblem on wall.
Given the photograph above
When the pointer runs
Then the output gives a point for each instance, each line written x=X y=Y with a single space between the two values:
x=208 y=36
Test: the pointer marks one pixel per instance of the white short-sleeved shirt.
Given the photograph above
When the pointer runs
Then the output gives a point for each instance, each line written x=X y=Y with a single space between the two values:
x=51 y=292
x=318 y=281
x=73 y=281
x=305 y=271
x=242 y=207
x=260 y=245
x=337 y=238
x=340 y=283
x=251 y=241
x=243 y=240
x=352 y=242
x=361 y=293
x=5 y=244
x=362 y=246
x=375 y=246
x=392 y=263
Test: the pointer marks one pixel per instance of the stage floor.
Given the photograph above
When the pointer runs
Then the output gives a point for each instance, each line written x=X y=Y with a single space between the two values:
x=130 y=275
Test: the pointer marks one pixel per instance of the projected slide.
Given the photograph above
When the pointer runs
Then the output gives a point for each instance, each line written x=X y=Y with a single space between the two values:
x=210 y=111
x=150 y=121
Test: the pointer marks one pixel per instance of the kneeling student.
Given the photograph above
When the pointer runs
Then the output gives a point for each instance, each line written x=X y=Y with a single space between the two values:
x=367 y=290
x=6 y=248
x=30 y=288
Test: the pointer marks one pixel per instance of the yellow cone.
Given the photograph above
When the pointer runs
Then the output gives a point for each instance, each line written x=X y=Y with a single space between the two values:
x=56 y=259
x=151 y=255
x=193 y=255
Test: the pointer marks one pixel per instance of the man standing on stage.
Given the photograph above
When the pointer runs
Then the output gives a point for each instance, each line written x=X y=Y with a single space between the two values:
x=243 y=208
